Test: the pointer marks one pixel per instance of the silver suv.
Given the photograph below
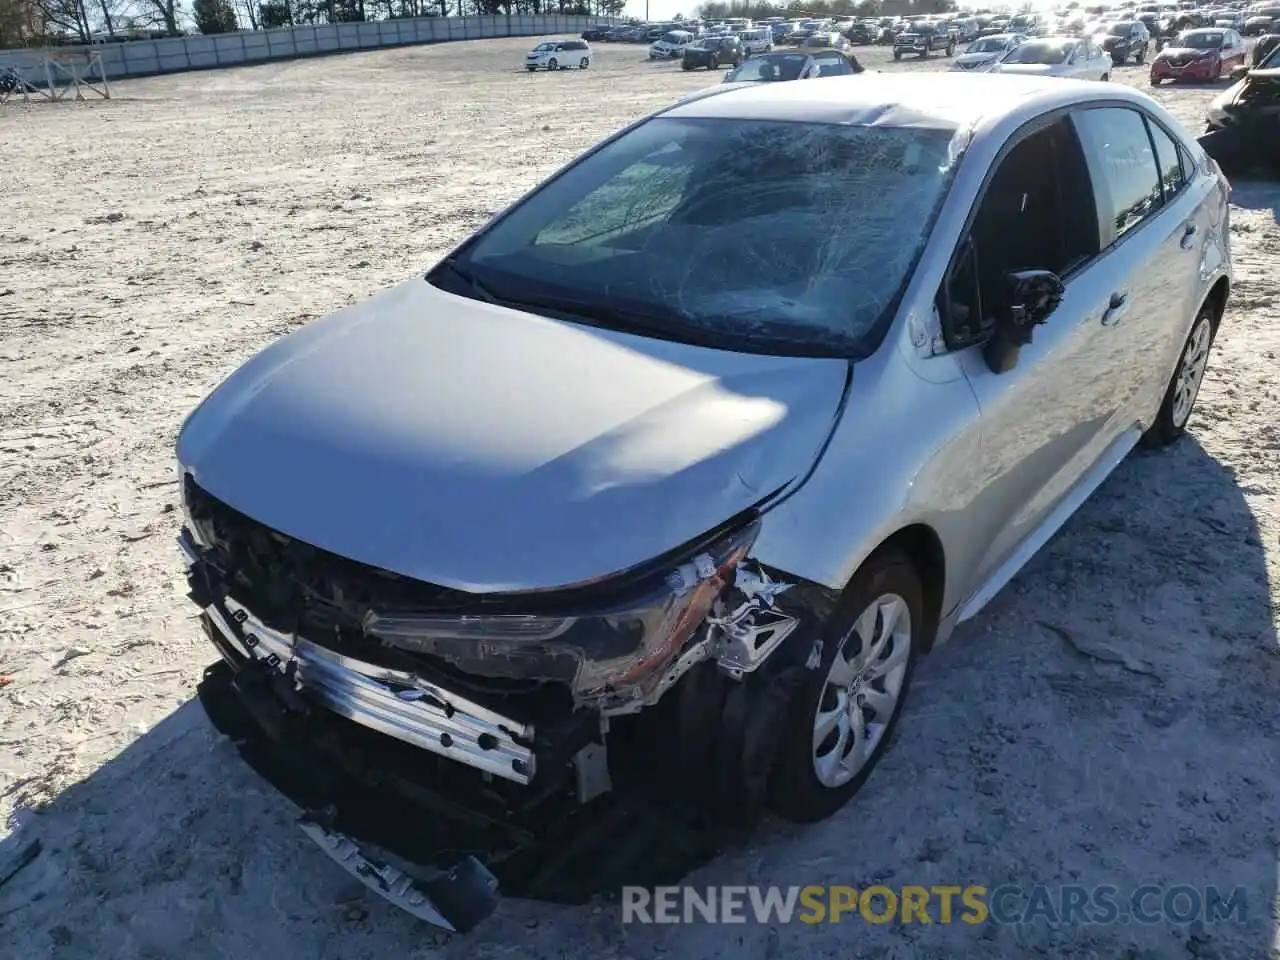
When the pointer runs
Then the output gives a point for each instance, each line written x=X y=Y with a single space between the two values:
x=666 y=477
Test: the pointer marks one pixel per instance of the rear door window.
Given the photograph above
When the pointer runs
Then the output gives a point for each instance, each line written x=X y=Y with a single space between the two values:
x=1173 y=174
x=1123 y=164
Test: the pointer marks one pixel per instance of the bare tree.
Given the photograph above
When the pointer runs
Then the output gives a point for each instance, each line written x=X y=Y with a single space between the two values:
x=67 y=15
x=161 y=13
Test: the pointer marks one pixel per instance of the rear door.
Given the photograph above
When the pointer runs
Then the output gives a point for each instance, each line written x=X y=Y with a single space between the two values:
x=1152 y=237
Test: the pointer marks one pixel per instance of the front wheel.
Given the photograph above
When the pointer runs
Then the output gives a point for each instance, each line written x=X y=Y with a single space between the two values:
x=1180 y=397
x=1141 y=57
x=553 y=64
x=842 y=716
x=1106 y=77
x=715 y=64
x=897 y=54
x=951 y=49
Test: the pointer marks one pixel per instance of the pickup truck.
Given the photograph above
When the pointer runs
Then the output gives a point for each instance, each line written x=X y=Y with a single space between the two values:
x=921 y=39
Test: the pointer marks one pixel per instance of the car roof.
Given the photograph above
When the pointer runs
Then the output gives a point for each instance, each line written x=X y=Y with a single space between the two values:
x=903 y=99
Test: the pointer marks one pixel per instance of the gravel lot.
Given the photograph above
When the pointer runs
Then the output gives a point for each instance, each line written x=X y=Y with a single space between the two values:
x=1110 y=719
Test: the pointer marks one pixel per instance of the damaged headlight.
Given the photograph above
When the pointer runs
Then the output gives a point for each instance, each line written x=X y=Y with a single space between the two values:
x=604 y=640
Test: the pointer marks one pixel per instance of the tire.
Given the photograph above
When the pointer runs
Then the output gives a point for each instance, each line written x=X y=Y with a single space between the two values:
x=1141 y=58
x=1106 y=78
x=951 y=49
x=1155 y=82
x=887 y=581
x=584 y=63
x=532 y=69
x=553 y=64
x=686 y=65
x=714 y=65
x=1184 y=386
x=897 y=54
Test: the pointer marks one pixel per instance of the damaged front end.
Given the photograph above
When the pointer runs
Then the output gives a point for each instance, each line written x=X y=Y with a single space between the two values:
x=409 y=719
x=1244 y=125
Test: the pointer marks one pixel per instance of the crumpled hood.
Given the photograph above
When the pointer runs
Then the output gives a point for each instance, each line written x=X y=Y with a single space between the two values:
x=485 y=449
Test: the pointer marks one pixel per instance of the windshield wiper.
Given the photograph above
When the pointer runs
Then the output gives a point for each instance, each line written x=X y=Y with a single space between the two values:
x=470 y=279
x=606 y=315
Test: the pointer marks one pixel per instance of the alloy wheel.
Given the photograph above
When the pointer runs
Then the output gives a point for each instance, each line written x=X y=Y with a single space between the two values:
x=1195 y=359
x=862 y=690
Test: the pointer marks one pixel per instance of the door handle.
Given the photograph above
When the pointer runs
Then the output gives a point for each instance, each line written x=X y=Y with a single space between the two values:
x=1188 y=236
x=1116 y=307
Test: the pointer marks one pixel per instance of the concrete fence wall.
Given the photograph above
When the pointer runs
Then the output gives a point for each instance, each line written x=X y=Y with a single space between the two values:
x=141 y=58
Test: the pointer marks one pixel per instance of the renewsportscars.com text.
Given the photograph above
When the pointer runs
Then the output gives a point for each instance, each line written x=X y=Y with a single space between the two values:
x=937 y=903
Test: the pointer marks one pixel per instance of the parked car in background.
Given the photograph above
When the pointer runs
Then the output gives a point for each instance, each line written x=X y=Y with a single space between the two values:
x=756 y=40
x=921 y=39
x=1262 y=48
x=861 y=33
x=1257 y=25
x=1202 y=55
x=1068 y=57
x=1243 y=122
x=466 y=548
x=1125 y=39
x=830 y=39
x=599 y=33
x=713 y=53
x=794 y=65
x=670 y=45
x=985 y=51
x=559 y=55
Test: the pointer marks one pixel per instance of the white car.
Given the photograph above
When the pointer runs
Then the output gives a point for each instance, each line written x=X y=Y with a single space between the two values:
x=758 y=40
x=670 y=46
x=559 y=55
x=1068 y=57
x=983 y=53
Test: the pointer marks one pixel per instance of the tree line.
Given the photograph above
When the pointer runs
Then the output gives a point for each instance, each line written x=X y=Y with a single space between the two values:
x=34 y=23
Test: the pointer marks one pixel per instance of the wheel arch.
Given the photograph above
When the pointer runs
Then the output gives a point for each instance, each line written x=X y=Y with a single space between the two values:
x=921 y=544
x=1217 y=299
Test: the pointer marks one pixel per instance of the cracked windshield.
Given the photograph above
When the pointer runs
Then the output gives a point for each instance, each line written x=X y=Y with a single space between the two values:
x=736 y=231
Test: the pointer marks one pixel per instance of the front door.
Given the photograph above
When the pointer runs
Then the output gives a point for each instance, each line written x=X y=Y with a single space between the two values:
x=1049 y=418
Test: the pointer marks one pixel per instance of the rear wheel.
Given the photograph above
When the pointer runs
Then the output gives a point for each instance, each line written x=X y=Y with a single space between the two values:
x=584 y=63
x=715 y=64
x=1141 y=57
x=842 y=716
x=1184 y=386
x=897 y=54
x=951 y=49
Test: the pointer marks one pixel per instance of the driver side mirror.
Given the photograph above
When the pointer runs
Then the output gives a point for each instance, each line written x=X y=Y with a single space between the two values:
x=1032 y=297
x=1239 y=73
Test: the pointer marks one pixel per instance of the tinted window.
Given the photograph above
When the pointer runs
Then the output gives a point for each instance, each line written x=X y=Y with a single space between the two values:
x=1172 y=175
x=1120 y=155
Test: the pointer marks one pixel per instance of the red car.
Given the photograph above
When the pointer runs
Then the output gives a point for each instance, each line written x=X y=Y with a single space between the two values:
x=1203 y=55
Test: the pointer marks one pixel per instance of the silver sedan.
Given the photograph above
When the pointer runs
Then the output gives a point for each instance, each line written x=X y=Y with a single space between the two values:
x=681 y=462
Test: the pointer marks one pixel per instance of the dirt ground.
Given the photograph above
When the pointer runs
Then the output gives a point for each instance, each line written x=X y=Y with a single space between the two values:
x=1110 y=719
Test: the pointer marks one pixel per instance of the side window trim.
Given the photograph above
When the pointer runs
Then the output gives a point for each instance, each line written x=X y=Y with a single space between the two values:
x=1179 y=153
